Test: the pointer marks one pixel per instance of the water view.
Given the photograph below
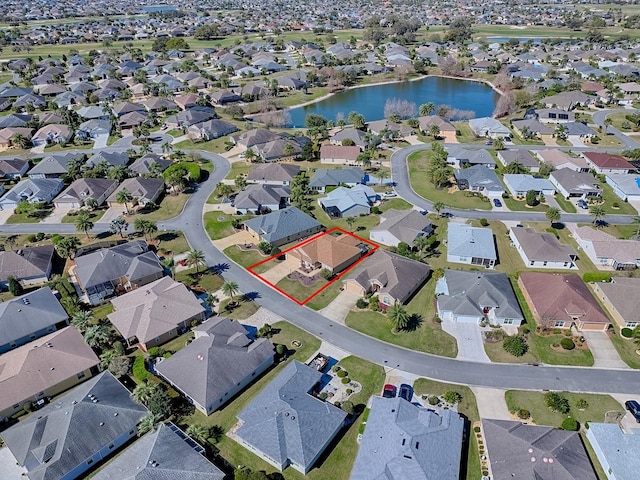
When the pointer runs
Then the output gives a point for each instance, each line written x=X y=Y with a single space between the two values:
x=369 y=101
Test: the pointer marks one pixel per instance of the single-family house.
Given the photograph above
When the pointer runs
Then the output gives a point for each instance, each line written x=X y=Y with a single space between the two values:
x=384 y=126
x=118 y=269
x=561 y=300
x=338 y=154
x=44 y=368
x=619 y=297
x=153 y=315
x=446 y=128
x=52 y=133
x=519 y=184
x=346 y=202
x=31 y=266
x=257 y=136
x=489 y=127
x=262 y=198
x=527 y=127
x=168 y=452
x=542 y=250
x=405 y=440
x=358 y=137
x=150 y=164
x=568 y=100
x=464 y=296
x=52 y=166
x=13 y=168
x=273 y=173
x=112 y=159
x=282 y=226
x=471 y=245
x=84 y=426
x=92 y=129
x=334 y=253
x=220 y=362
x=627 y=187
x=479 y=178
x=143 y=191
x=461 y=157
x=517 y=450
x=578 y=132
x=81 y=190
x=616 y=449
x=349 y=177
x=34 y=190
x=555 y=115
x=392 y=277
x=30 y=316
x=211 y=129
x=286 y=424
x=9 y=135
x=606 y=251
x=559 y=159
x=400 y=226
x=606 y=163
x=570 y=183
x=523 y=157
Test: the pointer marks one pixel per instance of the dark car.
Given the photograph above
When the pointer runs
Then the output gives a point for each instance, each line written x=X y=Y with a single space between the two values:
x=582 y=204
x=497 y=202
x=634 y=409
x=406 y=392
x=389 y=391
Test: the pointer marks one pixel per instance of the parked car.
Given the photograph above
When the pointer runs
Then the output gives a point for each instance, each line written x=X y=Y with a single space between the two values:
x=634 y=409
x=389 y=194
x=582 y=204
x=423 y=212
x=389 y=391
x=406 y=392
x=497 y=203
x=489 y=142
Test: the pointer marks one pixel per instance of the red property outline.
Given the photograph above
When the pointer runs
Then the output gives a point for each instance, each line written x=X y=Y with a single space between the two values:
x=309 y=240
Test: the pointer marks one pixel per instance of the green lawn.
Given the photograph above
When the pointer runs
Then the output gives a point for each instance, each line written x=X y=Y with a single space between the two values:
x=542 y=415
x=171 y=243
x=325 y=297
x=203 y=279
x=395 y=203
x=428 y=336
x=361 y=225
x=220 y=225
x=299 y=291
x=565 y=204
x=243 y=310
x=170 y=206
x=101 y=312
x=95 y=216
x=611 y=199
x=626 y=349
x=418 y=163
x=22 y=218
x=248 y=258
x=519 y=205
x=497 y=354
x=466 y=134
x=467 y=407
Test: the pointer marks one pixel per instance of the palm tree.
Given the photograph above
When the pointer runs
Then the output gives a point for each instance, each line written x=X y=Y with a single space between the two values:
x=398 y=316
x=147 y=227
x=230 y=289
x=598 y=213
x=439 y=206
x=426 y=109
x=82 y=320
x=144 y=392
x=97 y=336
x=434 y=131
x=170 y=264
x=516 y=168
x=553 y=214
x=83 y=222
x=196 y=258
x=498 y=143
x=149 y=423
x=350 y=222
x=198 y=432
x=124 y=196
x=166 y=147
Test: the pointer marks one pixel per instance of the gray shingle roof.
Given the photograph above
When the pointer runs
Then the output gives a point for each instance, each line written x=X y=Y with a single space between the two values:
x=83 y=189
x=285 y=422
x=257 y=195
x=273 y=172
x=331 y=177
x=51 y=442
x=467 y=241
x=521 y=450
x=620 y=449
x=19 y=318
x=405 y=225
x=404 y=441
x=479 y=176
x=221 y=356
x=279 y=225
x=160 y=455
x=26 y=262
x=53 y=164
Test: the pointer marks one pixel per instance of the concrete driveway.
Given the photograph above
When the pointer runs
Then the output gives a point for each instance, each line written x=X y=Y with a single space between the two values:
x=491 y=403
x=340 y=307
x=101 y=141
x=4 y=215
x=57 y=215
x=277 y=272
x=9 y=466
x=470 y=342
x=604 y=353
x=111 y=213
x=239 y=238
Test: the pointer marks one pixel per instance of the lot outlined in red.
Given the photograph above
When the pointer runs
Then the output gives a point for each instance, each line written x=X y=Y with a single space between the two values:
x=337 y=277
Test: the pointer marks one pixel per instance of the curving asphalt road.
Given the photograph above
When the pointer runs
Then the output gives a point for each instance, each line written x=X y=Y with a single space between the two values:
x=600 y=116
x=190 y=221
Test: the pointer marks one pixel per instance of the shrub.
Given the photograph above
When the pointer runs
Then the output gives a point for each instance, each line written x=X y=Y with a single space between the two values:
x=342 y=373
x=362 y=303
x=557 y=331
x=525 y=329
x=556 y=402
x=592 y=277
x=476 y=429
x=570 y=424
x=567 y=344
x=484 y=222
x=523 y=414
x=452 y=397
x=582 y=404
x=626 y=332
x=155 y=352
x=505 y=195
x=346 y=380
x=376 y=210
x=31 y=238
x=347 y=407
x=139 y=369
x=373 y=304
x=15 y=287
x=349 y=391
x=531 y=198
x=322 y=396
x=515 y=345
x=166 y=355
x=39 y=236
x=27 y=407
x=433 y=400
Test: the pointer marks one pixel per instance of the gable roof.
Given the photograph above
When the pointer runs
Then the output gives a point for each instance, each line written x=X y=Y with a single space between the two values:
x=405 y=441
x=575 y=182
x=26 y=262
x=154 y=309
x=562 y=297
x=83 y=189
x=143 y=164
x=340 y=151
x=479 y=176
x=51 y=442
x=467 y=241
x=405 y=225
x=29 y=313
x=536 y=452
x=273 y=172
x=466 y=292
x=33 y=190
x=259 y=194
x=557 y=157
x=53 y=164
x=113 y=159
x=344 y=198
x=42 y=364
x=396 y=275
x=286 y=422
x=166 y=454
x=523 y=157
x=622 y=294
x=542 y=246
x=221 y=356
x=607 y=160
x=336 y=176
x=618 y=447
x=145 y=188
x=329 y=250
x=520 y=182
x=281 y=224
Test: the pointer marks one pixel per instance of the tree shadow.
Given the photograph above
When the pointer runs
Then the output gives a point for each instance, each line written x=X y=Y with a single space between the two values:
x=558 y=225
x=251 y=296
x=167 y=236
x=220 y=268
x=415 y=321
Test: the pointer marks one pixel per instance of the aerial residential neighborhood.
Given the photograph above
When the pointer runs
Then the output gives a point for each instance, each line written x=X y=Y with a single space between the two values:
x=286 y=240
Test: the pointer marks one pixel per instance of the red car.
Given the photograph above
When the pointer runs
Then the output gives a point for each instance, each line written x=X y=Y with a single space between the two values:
x=389 y=391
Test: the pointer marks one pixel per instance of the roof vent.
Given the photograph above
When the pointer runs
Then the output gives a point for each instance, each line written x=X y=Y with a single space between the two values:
x=26 y=301
x=53 y=368
x=49 y=344
x=102 y=424
x=115 y=414
x=74 y=402
x=292 y=417
x=95 y=400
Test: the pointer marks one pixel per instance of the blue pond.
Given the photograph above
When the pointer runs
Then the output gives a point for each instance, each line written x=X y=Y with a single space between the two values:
x=370 y=101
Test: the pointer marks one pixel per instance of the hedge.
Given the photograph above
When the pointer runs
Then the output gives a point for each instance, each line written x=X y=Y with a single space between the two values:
x=570 y=424
x=591 y=277
x=140 y=371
